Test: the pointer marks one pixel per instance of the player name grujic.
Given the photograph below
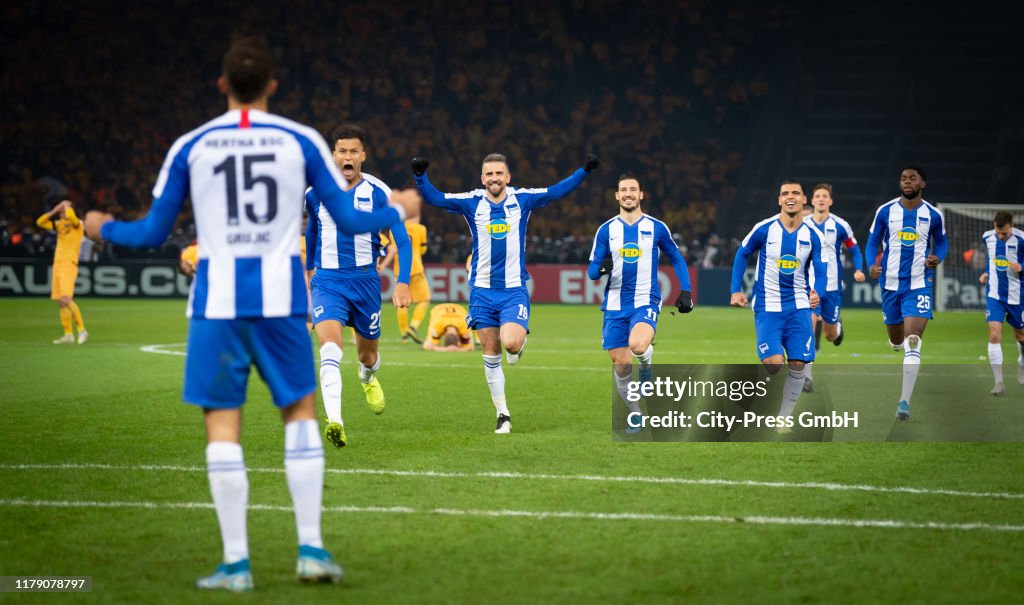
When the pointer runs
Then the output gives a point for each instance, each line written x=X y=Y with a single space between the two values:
x=263 y=237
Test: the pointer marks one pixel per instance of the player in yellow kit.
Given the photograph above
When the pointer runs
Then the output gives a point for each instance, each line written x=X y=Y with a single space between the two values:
x=417 y=279
x=63 y=220
x=449 y=331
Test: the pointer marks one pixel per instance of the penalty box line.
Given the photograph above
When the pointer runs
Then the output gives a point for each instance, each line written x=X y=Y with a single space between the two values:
x=540 y=515
x=436 y=474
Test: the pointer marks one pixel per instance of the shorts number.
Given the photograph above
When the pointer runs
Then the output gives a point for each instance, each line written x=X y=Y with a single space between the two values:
x=374 y=322
x=523 y=313
x=924 y=302
x=652 y=315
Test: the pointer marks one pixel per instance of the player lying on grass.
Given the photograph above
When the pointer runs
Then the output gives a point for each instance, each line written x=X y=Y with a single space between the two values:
x=449 y=331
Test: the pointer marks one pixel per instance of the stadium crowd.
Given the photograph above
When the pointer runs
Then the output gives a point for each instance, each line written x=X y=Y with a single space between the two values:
x=664 y=89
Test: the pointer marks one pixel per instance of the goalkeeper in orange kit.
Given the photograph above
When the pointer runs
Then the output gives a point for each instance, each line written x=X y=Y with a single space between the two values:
x=63 y=220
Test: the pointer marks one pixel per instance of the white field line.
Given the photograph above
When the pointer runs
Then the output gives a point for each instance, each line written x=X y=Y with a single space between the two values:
x=593 y=516
x=896 y=369
x=834 y=487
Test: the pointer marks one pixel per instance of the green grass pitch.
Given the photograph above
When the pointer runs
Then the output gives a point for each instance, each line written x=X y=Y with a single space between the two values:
x=101 y=474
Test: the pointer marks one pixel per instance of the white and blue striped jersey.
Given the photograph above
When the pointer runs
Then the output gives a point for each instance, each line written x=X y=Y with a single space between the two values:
x=905 y=237
x=499 y=228
x=633 y=282
x=246 y=172
x=331 y=249
x=784 y=261
x=1004 y=282
x=837 y=233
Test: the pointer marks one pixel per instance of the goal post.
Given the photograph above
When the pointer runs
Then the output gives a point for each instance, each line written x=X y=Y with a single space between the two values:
x=956 y=279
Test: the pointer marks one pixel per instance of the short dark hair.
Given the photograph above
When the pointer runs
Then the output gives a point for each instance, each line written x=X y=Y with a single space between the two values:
x=450 y=338
x=825 y=186
x=791 y=181
x=626 y=176
x=916 y=168
x=495 y=157
x=347 y=131
x=1003 y=218
x=248 y=69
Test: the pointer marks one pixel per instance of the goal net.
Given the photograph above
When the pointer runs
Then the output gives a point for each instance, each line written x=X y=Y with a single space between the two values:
x=956 y=280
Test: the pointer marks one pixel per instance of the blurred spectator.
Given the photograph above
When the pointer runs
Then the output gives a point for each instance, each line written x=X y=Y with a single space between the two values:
x=664 y=89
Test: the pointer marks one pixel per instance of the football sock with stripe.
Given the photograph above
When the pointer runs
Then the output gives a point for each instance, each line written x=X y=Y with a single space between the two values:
x=622 y=386
x=366 y=374
x=304 y=467
x=229 y=486
x=330 y=380
x=646 y=357
x=911 y=365
x=995 y=358
x=791 y=391
x=496 y=383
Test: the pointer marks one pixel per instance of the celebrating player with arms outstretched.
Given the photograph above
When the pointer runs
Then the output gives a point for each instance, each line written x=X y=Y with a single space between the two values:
x=626 y=249
x=788 y=249
x=1005 y=248
x=499 y=303
x=346 y=286
x=906 y=228
x=246 y=172
x=838 y=234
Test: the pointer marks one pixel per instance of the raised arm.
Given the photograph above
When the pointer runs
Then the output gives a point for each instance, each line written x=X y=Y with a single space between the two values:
x=538 y=198
x=168 y=197
x=430 y=194
x=71 y=217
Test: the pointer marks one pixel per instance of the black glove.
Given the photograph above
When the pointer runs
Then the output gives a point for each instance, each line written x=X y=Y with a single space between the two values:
x=591 y=163
x=420 y=165
x=606 y=266
x=684 y=303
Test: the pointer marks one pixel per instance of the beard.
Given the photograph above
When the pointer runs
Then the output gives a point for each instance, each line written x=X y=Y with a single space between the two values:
x=914 y=193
